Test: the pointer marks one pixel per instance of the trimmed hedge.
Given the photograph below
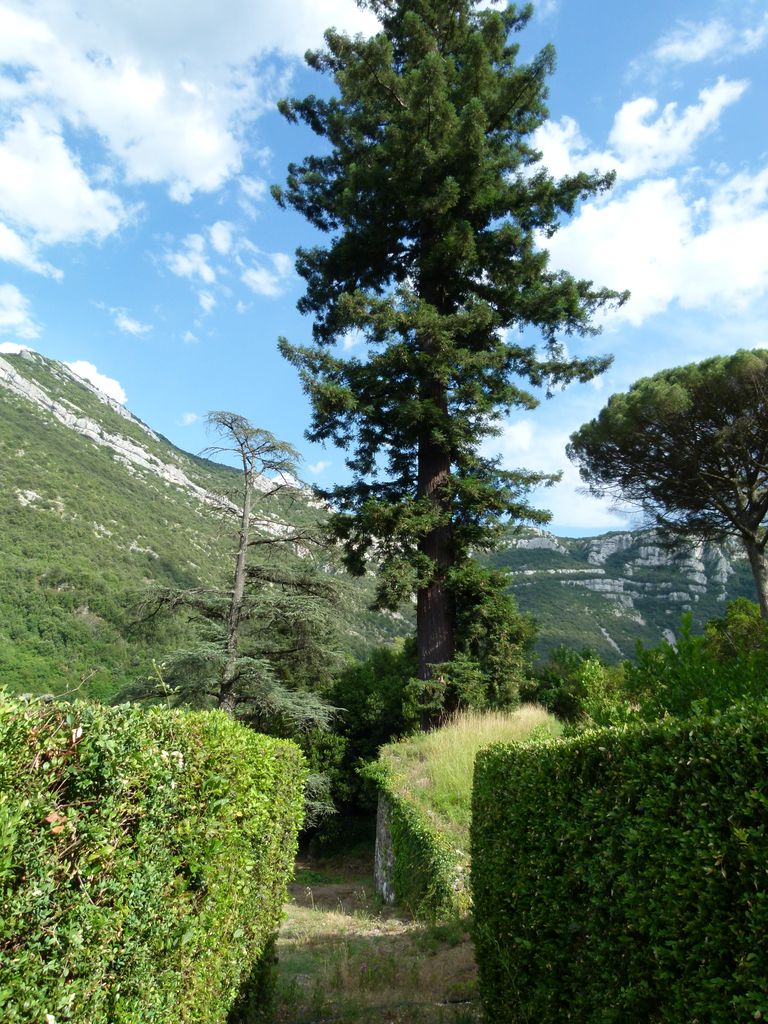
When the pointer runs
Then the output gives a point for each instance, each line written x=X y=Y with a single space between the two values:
x=621 y=877
x=143 y=862
x=427 y=876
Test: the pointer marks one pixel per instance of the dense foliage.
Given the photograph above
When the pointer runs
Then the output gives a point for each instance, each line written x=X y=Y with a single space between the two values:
x=143 y=862
x=435 y=200
x=690 y=447
x=620 y=876
x=728 y=663
x=696 y=675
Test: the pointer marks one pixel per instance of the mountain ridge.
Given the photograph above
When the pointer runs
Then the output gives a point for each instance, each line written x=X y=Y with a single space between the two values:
x=96 y=506
x=625 y=586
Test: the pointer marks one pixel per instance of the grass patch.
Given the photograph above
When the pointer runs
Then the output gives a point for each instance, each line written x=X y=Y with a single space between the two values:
x=434 y=770
x=345 y=958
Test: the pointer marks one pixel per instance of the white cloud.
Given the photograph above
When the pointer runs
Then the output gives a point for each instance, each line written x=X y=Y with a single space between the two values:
x=12 y=348
x=191 y=260
x=644 y=146
x=253 y=188
x=188 y=418
x=546 y=8
x=15 y=249
x=634 y=241
x=127 y=324
x=252 y=192
x=44 y=191
x=316 y=468
x=221 y=236
x=639 y=143
x=207 y=301
x=691 y=42
x=15 y=314
x=189 y=338
x=108 y=385
x=524 y=444
x=168 y=97
x=270 y=282
x=352 y=339
x=706 y=252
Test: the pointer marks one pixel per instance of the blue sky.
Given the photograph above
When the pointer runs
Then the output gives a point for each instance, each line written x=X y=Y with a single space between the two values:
x=138 y=239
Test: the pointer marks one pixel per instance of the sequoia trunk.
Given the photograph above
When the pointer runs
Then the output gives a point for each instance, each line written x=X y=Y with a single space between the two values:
x=435 y=640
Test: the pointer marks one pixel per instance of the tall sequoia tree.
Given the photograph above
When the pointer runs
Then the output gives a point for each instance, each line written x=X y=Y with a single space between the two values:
x=435 y=202
x=689 y=446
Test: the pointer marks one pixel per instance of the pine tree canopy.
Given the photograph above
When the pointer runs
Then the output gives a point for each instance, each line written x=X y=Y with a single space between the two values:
x=437 y=209
x=689 y=446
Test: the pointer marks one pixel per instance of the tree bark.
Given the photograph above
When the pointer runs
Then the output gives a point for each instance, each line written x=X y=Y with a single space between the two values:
x=227 y=698
x=435 y=639
x=759 y=566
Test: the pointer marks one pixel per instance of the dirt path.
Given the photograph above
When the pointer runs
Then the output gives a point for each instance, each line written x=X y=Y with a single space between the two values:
x=343 y=958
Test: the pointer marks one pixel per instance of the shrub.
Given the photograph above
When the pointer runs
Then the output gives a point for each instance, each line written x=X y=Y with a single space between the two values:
x=558 y=685
x=370 y=699
x=620 y=876
x=143 y=862
x=702 y=674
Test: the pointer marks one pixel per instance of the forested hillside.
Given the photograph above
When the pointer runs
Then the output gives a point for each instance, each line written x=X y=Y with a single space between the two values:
x=97 y=508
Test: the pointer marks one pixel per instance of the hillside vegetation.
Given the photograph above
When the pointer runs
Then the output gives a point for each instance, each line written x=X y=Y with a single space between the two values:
x=96 y=509
x=607 y=592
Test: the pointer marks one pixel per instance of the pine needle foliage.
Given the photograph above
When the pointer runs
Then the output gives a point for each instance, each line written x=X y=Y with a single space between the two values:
x=432 y=192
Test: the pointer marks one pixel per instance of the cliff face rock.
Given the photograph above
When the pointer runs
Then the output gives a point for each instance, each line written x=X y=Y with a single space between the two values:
x=609 y=591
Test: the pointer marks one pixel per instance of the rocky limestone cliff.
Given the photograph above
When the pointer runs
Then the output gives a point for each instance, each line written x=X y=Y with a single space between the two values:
x=607 y=592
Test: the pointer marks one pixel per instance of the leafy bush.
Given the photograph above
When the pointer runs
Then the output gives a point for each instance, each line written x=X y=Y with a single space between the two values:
x=371 y=703
x=694 y=675
x=702 y=674
x=620 y=875
x=574 y=684
x=143 y=862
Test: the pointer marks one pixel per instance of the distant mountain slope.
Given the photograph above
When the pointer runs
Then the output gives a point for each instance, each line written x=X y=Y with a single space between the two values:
x=95 y=506
x=610 y=591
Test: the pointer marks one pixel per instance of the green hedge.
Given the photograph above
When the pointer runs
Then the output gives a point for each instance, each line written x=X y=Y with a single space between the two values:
x=143 y=862
x=427 y=876
x=622 y=877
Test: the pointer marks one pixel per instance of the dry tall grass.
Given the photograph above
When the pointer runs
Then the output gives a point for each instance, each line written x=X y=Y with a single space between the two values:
x=434 y=769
